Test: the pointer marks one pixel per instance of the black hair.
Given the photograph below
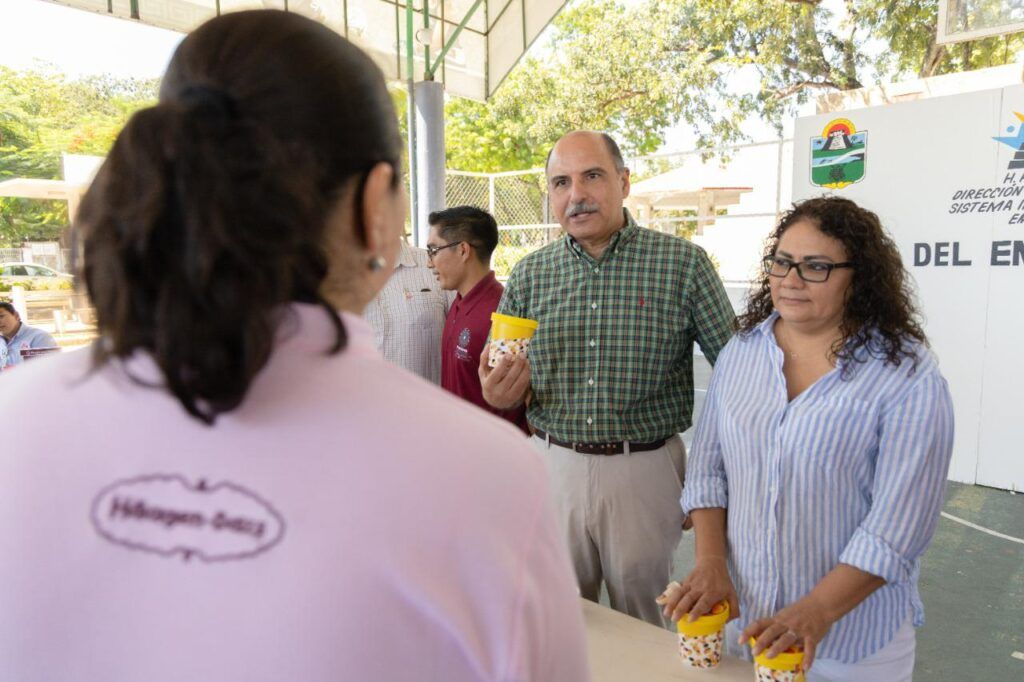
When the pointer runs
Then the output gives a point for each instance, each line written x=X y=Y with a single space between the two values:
x=208 y=216
x=9 y=307
x=468 y=224
x=880 y=315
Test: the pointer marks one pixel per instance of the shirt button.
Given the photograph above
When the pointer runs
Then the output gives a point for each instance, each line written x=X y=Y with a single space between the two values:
x=591 y=382
x=597 y=269
x=589 y=421
x=593 y=343
x=593 y=306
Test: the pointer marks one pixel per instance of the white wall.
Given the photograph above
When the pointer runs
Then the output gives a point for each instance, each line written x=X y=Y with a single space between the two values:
x=918 y=156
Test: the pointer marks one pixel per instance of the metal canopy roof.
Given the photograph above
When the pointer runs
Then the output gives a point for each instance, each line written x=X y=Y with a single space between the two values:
x=479 y=41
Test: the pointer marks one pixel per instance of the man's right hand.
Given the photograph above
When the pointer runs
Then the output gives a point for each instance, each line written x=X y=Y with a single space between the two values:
x=505 y=386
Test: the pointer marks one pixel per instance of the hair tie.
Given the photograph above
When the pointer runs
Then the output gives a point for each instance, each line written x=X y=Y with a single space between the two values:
x=208 y=98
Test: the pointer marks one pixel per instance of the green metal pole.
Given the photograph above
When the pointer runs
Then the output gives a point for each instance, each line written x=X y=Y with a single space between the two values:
x=410 y=101
x=427 y=73
x=432 y=68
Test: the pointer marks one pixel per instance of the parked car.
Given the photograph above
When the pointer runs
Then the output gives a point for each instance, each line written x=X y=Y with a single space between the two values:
x=15 y=273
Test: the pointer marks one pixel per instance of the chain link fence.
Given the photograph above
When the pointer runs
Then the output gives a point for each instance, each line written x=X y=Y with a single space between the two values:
x=732 y=233
x=54 y=257
x=518 y=202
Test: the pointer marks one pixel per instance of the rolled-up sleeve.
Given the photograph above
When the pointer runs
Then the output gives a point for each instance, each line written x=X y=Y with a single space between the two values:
x=915 y=447
x=706 y=486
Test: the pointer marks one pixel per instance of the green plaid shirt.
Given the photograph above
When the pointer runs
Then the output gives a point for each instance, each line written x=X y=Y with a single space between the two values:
x=612 y=358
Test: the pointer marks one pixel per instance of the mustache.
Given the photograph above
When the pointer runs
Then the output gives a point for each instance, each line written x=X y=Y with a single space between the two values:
x=581 y=207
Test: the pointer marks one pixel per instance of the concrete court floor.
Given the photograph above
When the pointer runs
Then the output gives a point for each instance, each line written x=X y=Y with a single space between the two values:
x=972 y=583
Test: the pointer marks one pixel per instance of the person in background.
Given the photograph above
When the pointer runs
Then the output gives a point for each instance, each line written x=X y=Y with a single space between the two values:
x=459 y=250
x=17 y=335
x=408 y=315
x=234 y=485
x=610 y=370
x=818 y=468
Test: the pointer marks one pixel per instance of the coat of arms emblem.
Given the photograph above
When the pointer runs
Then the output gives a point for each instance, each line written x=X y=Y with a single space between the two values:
x=838 y=156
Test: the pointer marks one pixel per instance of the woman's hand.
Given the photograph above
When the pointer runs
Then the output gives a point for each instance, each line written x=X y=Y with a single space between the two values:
x=803 y=623
x=708 y=584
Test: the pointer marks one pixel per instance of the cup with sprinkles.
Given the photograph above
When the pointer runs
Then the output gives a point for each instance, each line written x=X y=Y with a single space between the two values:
x=509 y=336
x=701 y=641
x=787 y=666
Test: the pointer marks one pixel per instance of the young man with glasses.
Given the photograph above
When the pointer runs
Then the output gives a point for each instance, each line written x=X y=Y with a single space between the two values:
x=459 y=250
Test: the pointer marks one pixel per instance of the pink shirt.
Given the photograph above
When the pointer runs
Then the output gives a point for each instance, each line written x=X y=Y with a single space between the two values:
x=349 y=522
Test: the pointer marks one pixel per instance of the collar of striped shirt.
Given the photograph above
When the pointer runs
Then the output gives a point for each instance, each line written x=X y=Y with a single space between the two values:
x=612 y=358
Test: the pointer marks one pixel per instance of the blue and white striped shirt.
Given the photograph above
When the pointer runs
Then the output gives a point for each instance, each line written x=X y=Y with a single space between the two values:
x=851 y=471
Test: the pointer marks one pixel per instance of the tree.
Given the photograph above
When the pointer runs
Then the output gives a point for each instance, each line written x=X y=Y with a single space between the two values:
x=637 y=70
x=42 y=115
x=800 y=47
x=603 y=67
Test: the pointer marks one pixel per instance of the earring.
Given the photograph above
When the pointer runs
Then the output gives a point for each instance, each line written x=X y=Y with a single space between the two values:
x=377 y=263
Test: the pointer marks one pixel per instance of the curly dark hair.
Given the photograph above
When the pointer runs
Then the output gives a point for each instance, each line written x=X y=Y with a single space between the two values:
x=880 y=316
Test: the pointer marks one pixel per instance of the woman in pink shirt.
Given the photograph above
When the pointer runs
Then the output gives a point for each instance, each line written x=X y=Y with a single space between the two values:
x=233 y=485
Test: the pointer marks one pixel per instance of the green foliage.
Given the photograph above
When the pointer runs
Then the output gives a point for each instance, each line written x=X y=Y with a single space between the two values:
x=42 y=115
x=605 y=67
x=639 y=68
x=505 y=257
x=38 y=284
x=908 y=27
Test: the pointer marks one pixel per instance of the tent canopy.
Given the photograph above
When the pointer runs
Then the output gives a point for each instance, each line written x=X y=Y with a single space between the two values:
x=479 y=41
x=698 y=186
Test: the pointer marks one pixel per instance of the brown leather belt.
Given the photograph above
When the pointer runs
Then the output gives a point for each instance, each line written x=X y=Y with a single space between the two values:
x=616 y=448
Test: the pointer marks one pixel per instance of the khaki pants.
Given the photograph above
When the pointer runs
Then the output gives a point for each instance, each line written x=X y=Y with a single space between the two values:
x=622 y=519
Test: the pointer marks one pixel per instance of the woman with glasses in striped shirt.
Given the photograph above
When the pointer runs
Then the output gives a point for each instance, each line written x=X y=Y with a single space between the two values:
x=818 y=466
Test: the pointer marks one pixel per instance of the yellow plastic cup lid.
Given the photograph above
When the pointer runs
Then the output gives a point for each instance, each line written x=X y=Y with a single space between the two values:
x=498 y=318
x=707 y=624
x=790 y=659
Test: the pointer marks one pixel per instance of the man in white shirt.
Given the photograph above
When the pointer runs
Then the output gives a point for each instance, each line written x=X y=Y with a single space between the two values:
x=408 y=316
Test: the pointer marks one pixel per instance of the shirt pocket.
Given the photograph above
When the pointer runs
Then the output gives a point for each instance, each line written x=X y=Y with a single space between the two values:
x=425 y=309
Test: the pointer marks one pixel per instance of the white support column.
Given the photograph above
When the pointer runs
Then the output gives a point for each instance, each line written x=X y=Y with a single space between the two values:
x=19 y=302
x=430 y=155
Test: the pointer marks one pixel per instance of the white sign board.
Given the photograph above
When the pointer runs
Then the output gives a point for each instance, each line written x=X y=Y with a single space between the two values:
x=946 y=177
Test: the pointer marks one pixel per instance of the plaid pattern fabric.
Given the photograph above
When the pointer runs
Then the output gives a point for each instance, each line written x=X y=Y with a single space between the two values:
x=408 y=316
x=612 y=358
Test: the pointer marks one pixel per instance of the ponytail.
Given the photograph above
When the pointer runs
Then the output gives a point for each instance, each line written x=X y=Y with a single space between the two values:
x=192 y=249
x=209 y=216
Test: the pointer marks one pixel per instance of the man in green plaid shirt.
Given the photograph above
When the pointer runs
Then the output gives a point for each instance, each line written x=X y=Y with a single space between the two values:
x=610 y=371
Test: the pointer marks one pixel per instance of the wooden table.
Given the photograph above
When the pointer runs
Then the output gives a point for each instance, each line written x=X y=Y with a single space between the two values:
x=624 y=649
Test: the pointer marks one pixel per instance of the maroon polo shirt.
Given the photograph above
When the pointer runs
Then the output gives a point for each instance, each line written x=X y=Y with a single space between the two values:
x=465 y=334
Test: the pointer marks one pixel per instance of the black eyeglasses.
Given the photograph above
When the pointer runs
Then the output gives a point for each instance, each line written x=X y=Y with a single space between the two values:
x=432 y=250
x=808 y=271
